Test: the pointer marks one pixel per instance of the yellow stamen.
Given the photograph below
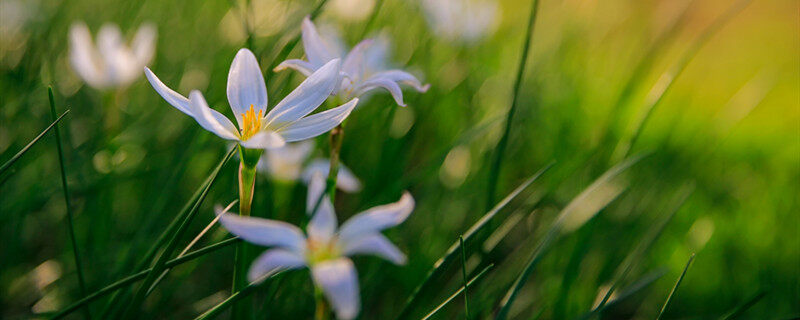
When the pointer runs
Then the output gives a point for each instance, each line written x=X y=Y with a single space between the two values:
x=251 y=123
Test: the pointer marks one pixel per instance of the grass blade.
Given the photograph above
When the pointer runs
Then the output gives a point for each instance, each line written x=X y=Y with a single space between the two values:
x=675 y=288
x=67 y=203
x=582 y=208
x=140 y=275
x=455 y=294
x=665 y=82
x=739 y=310
x=494 y=172
x=464 y=275
x=451 y=254
x=159 y=266
x=27 y=147
x=637 y=286
x=164 y=236
x=241 y=294
x=638 y=253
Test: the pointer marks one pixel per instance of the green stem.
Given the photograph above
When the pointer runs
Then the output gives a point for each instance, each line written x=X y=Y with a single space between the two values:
x=67 y=203
x=501 y=146
x=247 y=179
x=322 y=312
x=336 y=138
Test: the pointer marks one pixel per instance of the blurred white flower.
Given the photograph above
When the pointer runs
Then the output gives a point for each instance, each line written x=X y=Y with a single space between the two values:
x=364 y=67
x=351 y=10
x=463 y=20
x=112 y=63
x=247 y=95
x=287 y=164
x=324 y=248
x=15 y=17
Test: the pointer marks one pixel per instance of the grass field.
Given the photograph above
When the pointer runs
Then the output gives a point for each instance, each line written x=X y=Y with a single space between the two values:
x=575 y=159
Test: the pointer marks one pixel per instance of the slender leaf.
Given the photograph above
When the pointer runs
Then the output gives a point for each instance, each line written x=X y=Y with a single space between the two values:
x=464 y=275
x=675 y=288
x=650 y=237
x=665 y=82
x=67 y=202
x=451 y=254
x=140 y=275
x=582 y=208
x=494 y=172
x=165 y=235
x=455 y=294
x=739 y=310
x=25 y=149
x=159 y=264
x=644 y=282
x=246 y=291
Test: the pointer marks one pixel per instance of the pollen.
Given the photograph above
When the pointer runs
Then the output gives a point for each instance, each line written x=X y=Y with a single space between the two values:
x=251 y=123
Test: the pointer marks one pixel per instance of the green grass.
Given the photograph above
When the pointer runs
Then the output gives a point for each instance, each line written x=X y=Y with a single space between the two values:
x=552 y=113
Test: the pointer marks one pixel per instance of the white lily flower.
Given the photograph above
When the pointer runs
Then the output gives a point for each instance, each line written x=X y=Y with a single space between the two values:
x=287 y=164
x=463 y=20
x=247 y=95
x=112 y=63
x=325 y=247
x=363 y=66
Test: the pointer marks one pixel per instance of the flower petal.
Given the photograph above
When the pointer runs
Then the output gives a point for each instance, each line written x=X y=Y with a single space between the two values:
x=375 y=244
x=83 y=55
x=354 y=64
x=323 y=224
x=144 y=43
x=345 y=179
x=246 y=85
x=386 y=83
x=307 y=96
x=339 y=282
x=265 y=232
x=316 y=188
x=173 y=98
x=264 y=140
x=303 y=66
x=404 y=78
x=377 y=218
x=285 y=163
x=317 y=51
x=317 y=124
x=272 y=261
x=211 y=119
x=121 y=66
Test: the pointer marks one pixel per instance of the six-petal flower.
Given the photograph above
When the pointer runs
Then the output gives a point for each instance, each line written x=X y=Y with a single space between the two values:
x=288 y=163
x=324 y=248
x=247 y=94
x=363 y=67
x=111 y=63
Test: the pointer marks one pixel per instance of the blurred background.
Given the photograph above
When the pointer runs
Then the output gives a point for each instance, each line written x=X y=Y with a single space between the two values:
x=707 y=90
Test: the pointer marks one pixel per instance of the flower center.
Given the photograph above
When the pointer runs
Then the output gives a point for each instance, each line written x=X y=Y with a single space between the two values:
x=319 y=251
x=251 y=123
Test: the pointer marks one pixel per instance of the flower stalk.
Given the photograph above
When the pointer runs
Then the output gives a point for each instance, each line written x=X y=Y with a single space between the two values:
x=321 y=313
x=247 y=181
x=336 y=138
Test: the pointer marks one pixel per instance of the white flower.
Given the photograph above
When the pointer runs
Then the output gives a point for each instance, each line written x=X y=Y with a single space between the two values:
x=351 y=10
x=364 y=66
x=464 y=20
x=247 y=95
x=287 y=164
x=324 y=248
x=112 y=63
